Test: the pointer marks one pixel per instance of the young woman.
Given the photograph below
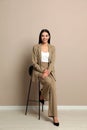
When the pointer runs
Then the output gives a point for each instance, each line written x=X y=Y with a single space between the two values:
x=43 y=58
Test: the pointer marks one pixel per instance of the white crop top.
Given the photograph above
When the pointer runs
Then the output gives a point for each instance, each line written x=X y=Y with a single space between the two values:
x=44 y=56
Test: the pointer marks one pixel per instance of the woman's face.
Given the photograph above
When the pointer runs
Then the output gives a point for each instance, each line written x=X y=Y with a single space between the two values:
x=45 y=37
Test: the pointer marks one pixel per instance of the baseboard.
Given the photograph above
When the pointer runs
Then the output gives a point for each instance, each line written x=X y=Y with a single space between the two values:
x=72 y=107
x=45 y=107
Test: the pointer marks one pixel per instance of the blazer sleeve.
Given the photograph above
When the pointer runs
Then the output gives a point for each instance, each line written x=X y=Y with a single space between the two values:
x=35 y=61
x=52 y=61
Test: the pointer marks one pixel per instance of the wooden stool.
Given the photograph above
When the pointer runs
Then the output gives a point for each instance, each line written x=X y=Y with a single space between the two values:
x=28 y=96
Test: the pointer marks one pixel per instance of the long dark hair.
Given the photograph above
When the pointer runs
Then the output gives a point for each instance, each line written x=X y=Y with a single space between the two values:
x=44 y=30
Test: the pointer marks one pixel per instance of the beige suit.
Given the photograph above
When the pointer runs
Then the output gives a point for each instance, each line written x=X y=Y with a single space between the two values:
x=49 y=88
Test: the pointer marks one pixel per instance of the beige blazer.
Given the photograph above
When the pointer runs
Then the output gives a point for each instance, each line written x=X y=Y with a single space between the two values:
x=36 y=59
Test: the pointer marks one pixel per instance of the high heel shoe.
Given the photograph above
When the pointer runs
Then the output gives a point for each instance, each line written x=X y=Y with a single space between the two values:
x=56 y=124
x=42 y=101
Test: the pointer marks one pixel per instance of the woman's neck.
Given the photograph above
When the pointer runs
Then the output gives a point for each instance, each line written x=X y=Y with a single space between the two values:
x=44 y=47
x=45 y=44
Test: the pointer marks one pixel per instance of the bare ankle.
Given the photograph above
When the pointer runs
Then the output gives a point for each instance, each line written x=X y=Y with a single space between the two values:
x=55 y=119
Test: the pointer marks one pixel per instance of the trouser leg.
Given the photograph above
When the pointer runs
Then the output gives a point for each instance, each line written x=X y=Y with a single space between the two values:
x=52 y=100
x=49 y=93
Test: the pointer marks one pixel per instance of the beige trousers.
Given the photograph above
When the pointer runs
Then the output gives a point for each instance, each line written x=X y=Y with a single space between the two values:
x=49 y=91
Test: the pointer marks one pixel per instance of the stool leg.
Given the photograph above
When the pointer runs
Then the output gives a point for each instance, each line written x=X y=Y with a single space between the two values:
x=39 y=100
x=28 y=96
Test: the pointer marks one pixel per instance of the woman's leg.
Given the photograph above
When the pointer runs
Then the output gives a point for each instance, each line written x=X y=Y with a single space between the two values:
x=52 y=99
x=49 y=93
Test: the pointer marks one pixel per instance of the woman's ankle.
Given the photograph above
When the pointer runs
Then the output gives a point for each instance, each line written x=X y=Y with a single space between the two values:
x=55 y=119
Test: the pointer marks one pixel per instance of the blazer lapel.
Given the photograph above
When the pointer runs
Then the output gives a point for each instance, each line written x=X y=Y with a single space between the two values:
x=39 y=55
x=49 y=50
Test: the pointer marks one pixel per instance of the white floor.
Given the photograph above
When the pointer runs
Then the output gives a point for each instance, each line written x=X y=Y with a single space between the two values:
x=16 y=120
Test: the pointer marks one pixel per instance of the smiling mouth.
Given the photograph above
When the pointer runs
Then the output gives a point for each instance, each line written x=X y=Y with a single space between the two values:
x=44 y=39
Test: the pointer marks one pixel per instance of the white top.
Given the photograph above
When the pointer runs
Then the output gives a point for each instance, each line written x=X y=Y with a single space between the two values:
x=44 y=56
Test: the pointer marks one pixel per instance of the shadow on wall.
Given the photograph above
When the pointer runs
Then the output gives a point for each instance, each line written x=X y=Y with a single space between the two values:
x=26 y=61
x=23 y=73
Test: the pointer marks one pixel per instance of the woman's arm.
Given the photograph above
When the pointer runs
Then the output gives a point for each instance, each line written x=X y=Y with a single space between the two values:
x=52 y=61
x=34 y=60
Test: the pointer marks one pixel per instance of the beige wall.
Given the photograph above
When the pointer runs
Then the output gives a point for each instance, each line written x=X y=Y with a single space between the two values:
x=20 y=24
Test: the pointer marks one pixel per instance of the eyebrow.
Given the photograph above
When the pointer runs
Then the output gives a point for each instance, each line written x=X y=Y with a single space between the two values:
x=45 y=35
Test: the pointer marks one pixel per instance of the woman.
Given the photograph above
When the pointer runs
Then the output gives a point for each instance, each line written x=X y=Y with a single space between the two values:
x=43 y=58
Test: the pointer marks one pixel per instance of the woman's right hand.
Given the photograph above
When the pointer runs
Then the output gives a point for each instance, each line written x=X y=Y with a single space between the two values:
x=45 y=73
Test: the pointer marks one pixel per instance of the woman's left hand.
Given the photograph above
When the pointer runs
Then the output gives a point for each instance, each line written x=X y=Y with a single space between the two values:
x=45 y=73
